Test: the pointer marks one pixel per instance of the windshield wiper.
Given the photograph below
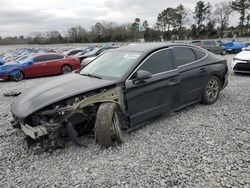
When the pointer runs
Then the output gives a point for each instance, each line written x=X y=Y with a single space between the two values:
x=92 y=76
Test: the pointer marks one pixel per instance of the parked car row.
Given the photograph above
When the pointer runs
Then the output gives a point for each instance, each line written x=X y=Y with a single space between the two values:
x=31 y=62
x=219 y=47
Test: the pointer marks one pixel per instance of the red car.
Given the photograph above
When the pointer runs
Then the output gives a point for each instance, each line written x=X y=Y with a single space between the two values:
x=40 y=65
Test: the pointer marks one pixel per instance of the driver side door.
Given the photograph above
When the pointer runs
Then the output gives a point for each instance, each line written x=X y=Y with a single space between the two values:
x=156 y=95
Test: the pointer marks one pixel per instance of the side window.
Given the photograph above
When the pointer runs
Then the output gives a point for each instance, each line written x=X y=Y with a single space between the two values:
x=53 y=57
x=40 y=58
x=183 y=55
x=206 y=43
x=159 y=62
x=199 y=54
x=212 y=43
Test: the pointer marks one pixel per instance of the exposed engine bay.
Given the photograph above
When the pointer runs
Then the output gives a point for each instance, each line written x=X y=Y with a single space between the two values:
x=69 y=118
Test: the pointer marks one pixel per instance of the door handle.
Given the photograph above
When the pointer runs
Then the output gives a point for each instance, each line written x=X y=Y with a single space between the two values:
x=202 y=70
x=172 y=81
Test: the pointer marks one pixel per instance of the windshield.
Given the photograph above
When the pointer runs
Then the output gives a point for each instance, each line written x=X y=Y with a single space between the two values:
x=112 y=64
x=92 y=52
x=247 y=48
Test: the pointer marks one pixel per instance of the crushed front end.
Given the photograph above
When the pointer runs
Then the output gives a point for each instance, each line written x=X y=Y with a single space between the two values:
x=68 y=118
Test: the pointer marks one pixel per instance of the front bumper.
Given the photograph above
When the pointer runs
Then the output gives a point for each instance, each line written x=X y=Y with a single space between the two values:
x=34 y=132
x=241 y=66
x=4 y=77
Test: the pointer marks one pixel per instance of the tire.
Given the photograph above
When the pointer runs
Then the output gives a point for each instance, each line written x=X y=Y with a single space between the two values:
x=108 y=124
x=66 y=69
x=211 y=90
x=224 y=52
x=17 y=77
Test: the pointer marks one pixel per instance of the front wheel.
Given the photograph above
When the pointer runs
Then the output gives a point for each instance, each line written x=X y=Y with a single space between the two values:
x=66 y=69
x=108 y=124
x=224 y=52
x=17 y=76
x=211 y=90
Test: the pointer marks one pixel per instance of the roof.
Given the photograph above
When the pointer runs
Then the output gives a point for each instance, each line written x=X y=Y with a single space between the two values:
x=147 y=47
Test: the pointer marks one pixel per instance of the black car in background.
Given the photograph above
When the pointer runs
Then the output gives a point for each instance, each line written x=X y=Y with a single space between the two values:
x=211 y=45
x=121 y=89
x=95 y=52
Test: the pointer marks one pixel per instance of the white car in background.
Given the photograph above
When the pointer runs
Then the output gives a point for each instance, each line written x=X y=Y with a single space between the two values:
x=241 y=62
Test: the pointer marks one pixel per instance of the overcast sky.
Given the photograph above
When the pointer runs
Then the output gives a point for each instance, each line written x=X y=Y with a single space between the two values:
x=24 y=16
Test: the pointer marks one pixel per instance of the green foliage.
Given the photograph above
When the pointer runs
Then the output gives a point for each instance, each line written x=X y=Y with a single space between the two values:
x=241 y=6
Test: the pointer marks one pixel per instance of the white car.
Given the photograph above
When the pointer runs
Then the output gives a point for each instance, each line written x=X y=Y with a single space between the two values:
x=241 y=62
x=87 y=60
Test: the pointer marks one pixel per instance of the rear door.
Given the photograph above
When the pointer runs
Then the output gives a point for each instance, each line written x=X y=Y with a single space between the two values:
x=157 y=94
x=193 y=72
x=38 y=68
x=54 y=64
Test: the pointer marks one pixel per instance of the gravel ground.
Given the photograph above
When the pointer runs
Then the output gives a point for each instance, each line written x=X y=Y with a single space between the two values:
x=199 y=146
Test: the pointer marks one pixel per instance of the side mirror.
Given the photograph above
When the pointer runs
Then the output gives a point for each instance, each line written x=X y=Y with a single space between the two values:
x=142 y=75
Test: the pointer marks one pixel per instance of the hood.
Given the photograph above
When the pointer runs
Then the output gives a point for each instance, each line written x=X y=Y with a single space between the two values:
x=53 y=91
x=244 y=55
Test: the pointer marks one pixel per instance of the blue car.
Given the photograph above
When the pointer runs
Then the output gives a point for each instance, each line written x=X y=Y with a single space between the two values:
x=234 y=47
x=12 y=70
x=2 y=61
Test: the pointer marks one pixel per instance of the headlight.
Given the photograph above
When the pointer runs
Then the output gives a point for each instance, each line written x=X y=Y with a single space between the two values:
x=236 y=60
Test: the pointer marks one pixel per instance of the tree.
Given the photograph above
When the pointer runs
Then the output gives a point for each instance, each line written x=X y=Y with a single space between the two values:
x=193 y=32
x=180 y=18
x=152 y=35
x=76 y=34
x=210 y=29
x=145 y=25
x=165 y=19
x=221 y=15
x=136 y=28
x=54 y=37
x=202 y=13
x=241 y=6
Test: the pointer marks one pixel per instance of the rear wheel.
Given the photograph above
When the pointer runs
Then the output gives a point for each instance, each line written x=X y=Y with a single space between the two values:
x=66 y=69
x=223 y=52
x=108 y=124
x=211 y=90
x=17 y=76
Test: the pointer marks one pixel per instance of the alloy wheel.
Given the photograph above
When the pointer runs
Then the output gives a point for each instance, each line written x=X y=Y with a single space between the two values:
x=116 y=127
x=66 y=69
x=18 y=76
x=212 y=90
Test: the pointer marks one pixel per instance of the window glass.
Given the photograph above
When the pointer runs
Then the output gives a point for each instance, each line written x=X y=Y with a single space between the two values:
x=112 y=64
x=159 y=62
x=40 y=58
x=183 y=56
x=74 y=52
x=212 y=43
x=53 y=57
x=206 y=42
x=199 y=54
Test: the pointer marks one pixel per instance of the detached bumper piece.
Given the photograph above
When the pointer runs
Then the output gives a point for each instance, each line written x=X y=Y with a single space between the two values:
x=34 y=132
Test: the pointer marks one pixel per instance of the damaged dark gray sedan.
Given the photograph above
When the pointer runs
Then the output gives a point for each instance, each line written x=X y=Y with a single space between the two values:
x=120 y=90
